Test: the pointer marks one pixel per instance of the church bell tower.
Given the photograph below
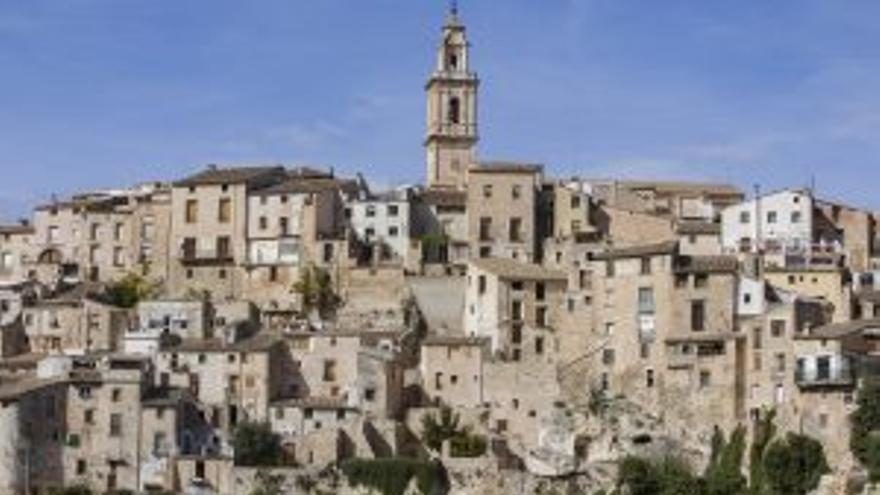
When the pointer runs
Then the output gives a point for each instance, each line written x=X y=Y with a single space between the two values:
x=451 y=138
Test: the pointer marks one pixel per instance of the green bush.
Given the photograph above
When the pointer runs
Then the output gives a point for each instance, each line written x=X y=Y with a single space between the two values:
x=671 y=476
x=392 y=476
x=865 y=426
x=764 y=432
x=463 y=443
x=794 y=465
x=128 y=291
x=724 y=474
x=468 y=445
x=256 y=445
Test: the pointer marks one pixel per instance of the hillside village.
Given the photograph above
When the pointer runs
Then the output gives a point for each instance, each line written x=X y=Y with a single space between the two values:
x=517 y=331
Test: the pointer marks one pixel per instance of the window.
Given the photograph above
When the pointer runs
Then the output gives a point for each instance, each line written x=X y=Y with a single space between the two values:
x=745 y=217
x=541 y=316
x=609 y=268
x=284 y=199
x=646 y=300
x=796 y=217
x=516 y=191
x=393 y=210
x=777 y=328
x=189 y=248
x=273 y=273
x=705 y=378
x=159 y=443
x=329 y=370
x=118 y=256
x=393 y=231
x=89 y=416
x=192 y=210
x=223 y=250
x=698 y=316
x=264 y=223
x=757 y=338
x=481 y=284
x=681 y=280
x=649 y=378
x=487 y=191
x=94 y=231
x=118 y=231
x=115 y=425
x=780 y=362
x=81 y=467
x=284 y=225
x=371 y=211
x=701 y=280
x=369 y=232
x=646 y=266
x=370 y=394
x=516 y=334
x=516 y=310
x=485 y=252
x=608 y=357
x=485 y=228
x=515 y=229
x=540 y=291
x=539 y=345
x=575 y=201
x=116 y=395
x=771 y=217
x=224 y=210
x=609 y=329
x=454 y=110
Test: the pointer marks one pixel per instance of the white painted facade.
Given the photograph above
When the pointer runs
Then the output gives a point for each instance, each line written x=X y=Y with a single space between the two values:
x=782 y=221
x=382 y=221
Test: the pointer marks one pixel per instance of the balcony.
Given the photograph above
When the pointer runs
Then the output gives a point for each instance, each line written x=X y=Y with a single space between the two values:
x=192 y=257
x=824 y=371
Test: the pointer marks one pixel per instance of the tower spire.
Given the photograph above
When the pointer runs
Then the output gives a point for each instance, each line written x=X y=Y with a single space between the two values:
x=453 y=7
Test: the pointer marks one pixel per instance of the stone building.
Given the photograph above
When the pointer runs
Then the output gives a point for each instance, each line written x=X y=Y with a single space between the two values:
x=516 y=306
x=75 y=321
x=440 y=225
x=664 y=328
x=381 y=224
x=162 y=321
x=209 y=229
x=829 y=283
x=451 y=136
x=232 y=380
x=102 y=420
x=502 y=206
x=16 y=252
x=32 y=422
x=452 y=370
x=285 y=225
x=677 y=200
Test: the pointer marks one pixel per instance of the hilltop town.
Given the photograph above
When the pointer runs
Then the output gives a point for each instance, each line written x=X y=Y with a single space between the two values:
x=499 y=329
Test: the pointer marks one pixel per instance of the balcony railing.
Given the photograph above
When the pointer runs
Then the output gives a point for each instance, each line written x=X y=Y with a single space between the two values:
x=205 y=257
x=837 y=372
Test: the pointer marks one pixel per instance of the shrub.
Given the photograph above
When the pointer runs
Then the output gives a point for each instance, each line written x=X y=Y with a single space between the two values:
x=724 y=474
x=392 y=476
x=436 y=430
x=794 y=465
x=128 y=291
x=639 y=476
x=865 y=426
x=256 y=445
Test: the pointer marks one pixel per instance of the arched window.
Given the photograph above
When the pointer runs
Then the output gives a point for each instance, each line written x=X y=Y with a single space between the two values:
x=454 y=110
x=452 y=62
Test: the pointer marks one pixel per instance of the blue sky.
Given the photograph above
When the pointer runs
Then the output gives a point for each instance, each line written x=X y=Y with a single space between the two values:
x=98 y=93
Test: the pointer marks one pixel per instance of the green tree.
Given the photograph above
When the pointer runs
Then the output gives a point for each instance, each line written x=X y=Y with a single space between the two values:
x=128 y=291
x=724 y=474
x=670 y=476
x=256 y=445
x=865 y=428
x=463 y=443
x=315 y=288
x=763 y=433
x=794 y=465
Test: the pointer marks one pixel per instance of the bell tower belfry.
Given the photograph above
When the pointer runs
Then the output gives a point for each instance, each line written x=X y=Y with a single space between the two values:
x=451 y=137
